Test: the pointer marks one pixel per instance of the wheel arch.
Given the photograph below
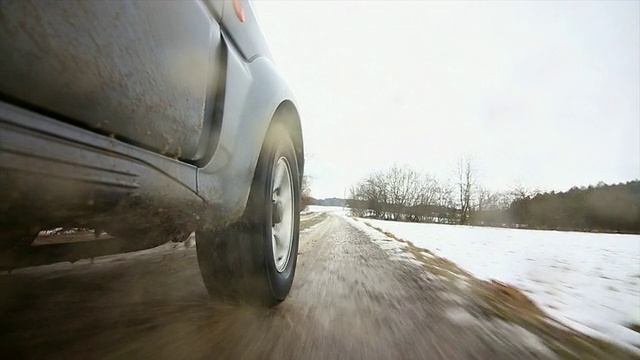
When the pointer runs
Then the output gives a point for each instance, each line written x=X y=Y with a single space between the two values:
x=256 y=96
x=287 y=114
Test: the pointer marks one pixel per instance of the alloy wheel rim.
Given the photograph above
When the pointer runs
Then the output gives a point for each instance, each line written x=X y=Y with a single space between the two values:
x=282 y=214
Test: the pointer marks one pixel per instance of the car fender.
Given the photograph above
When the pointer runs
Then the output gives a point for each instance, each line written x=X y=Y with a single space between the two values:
x=254 y=91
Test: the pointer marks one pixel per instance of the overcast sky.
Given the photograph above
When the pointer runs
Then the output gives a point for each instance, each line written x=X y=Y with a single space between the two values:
x=546 y=94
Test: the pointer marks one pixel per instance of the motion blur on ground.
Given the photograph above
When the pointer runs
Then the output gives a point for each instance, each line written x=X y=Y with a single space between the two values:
x=360 y=292
x=468 y=184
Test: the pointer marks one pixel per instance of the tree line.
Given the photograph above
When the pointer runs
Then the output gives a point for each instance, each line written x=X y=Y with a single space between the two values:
x=404 y=194
x=610 y=208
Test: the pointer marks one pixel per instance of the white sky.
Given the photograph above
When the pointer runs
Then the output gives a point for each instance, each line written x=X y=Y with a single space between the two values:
x=542 y=93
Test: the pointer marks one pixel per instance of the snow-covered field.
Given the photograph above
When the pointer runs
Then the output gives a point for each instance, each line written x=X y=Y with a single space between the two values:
x=588 y=281
x=338 y=210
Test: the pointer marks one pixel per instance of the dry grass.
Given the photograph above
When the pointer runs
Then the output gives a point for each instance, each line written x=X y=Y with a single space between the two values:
x=306 y=223
x=506 y=302
x=434 y=264
x=510 y=304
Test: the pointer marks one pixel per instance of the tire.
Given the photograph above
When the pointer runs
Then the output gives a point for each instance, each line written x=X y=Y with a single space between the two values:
x=251 y=261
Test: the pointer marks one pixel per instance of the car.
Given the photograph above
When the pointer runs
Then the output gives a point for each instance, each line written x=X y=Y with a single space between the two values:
x=151 y=120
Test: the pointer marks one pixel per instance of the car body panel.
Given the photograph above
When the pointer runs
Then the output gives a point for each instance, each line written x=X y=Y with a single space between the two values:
x=217 y=7
x=205 y=183
x=255 y=95
x=246 y=35
x=56 y=174
x=143 y=71
x=249 y=107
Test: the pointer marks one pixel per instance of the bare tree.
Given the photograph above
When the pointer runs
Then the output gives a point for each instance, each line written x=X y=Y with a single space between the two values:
x=504 y=200
x=305 y=193
x=356 y=200
x=466 y=177
x=403 y=194
x=489 y=200
x=519 y=191
x=482 y=198
x=423 y=199
x=404 y=188
x=445 y=201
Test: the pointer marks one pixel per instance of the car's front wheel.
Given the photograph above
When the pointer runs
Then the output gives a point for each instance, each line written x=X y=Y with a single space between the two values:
x=254 y=259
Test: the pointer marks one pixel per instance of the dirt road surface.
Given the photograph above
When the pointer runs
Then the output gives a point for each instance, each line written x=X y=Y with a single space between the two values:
x=351 y=300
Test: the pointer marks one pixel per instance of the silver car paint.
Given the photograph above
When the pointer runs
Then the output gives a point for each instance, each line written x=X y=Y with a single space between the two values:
x=254 y=95
x=254 y=92
x=144 y=71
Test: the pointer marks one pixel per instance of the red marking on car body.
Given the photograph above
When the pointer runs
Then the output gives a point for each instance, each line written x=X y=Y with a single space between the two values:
x=237 y=6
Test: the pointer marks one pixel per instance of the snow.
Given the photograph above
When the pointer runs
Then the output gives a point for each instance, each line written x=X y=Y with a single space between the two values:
x=338 y=210
x=589 y=282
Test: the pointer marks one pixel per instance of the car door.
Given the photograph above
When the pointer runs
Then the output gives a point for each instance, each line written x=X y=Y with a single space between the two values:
x=142 y=71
